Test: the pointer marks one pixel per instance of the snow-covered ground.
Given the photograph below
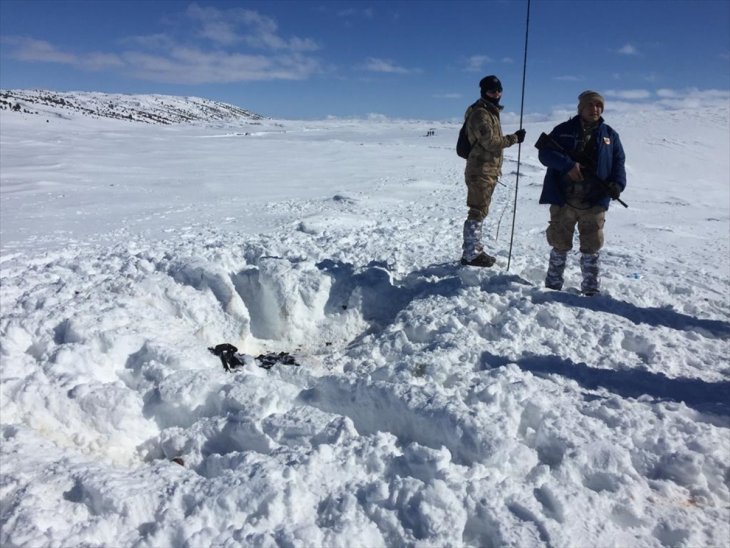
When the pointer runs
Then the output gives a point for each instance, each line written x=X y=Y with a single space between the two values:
x=433 y=405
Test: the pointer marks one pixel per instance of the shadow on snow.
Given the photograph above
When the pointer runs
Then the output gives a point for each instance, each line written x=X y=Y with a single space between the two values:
x=665 y=317
x=707 y=397
x=381 y=299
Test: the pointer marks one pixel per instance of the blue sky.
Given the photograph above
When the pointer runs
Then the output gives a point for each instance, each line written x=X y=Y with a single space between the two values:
x=401 y=59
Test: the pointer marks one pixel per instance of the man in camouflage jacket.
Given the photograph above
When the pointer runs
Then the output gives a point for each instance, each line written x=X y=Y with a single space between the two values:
x=483 y=166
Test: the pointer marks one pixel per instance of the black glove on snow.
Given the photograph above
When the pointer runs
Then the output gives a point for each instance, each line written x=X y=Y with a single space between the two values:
x=613 y=190
x=520 y=134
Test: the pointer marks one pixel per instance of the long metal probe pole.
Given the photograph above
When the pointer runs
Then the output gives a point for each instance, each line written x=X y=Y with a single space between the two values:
x=519 y=146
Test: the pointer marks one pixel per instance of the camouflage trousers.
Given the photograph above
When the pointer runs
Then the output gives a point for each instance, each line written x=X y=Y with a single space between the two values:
x=480 y=187
x=563 y=220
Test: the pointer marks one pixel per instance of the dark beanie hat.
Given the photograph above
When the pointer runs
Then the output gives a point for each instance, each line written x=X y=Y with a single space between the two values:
x=490 y=83
x=588 y=97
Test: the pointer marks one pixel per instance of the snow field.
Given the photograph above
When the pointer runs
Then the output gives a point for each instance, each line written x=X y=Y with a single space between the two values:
x=434 y=405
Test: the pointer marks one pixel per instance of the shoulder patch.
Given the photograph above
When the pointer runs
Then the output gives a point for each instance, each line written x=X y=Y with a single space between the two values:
x=606 y=140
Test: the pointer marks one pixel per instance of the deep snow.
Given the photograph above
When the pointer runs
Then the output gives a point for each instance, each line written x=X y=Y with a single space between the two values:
x=434 y=405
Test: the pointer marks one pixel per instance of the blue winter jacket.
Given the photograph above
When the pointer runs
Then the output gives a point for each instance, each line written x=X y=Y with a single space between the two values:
x=609 y=162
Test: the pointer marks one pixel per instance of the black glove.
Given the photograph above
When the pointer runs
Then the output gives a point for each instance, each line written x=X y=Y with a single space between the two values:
x=520 y=134
x=613 y=190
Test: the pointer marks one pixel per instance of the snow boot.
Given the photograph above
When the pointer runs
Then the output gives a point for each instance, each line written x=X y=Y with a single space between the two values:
x=482 y=259
x=591 y=280
x=472 y=245
x=556 y=267
x=472 y=250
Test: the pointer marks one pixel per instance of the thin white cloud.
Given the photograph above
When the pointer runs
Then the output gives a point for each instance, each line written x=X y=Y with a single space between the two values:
x=150 y=41
x=629 y=94
x=193 y=66
x=246 y=47
x=40 y=51
x=692 y=97
x=447 y=95
x=476 y=63
x=567 y=78
x=237 y=25
x=377 y=117
x=628 y=49
x=373 y=64
x=675 y=99
x=366 y=13
x=29 y=49
x=632 y=76
x=668 y=93
x=102 y=61
x=213 y=26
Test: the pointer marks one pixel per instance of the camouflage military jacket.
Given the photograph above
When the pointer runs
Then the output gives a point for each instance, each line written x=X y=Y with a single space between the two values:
x=484 y=130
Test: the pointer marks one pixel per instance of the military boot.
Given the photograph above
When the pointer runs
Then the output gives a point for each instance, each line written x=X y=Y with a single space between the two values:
x=590 y=268
x=556 y=267
x=472 y=250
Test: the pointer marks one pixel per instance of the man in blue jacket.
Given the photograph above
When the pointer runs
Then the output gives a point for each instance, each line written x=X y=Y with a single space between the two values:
x=579 y=192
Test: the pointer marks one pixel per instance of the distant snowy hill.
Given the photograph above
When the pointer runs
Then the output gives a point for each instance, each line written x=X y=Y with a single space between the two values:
x=152 y=109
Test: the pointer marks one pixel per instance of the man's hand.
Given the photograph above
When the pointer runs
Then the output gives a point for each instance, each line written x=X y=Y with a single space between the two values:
x=575 y=174
x=613 y=190
x=520 y=134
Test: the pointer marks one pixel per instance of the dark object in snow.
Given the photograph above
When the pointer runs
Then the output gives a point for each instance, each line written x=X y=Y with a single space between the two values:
x=483 y=260
x=178 y=460
x=231 y=359
x=228 y=355
x=267 y=361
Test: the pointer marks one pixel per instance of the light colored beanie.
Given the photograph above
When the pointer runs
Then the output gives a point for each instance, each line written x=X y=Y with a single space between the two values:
x=590 y=96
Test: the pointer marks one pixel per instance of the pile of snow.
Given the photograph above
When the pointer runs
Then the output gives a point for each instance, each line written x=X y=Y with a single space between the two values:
x=433 y=404
x=152 y=109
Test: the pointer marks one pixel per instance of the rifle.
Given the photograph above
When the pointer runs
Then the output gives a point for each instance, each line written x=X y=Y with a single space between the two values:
x=547 y=142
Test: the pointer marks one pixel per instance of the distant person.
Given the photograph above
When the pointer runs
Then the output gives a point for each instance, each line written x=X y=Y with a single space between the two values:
x=580 y=191
x=483 y=166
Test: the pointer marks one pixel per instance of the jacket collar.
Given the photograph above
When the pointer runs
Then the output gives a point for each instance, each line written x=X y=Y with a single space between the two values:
x=489 y=106
x=577 y=121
